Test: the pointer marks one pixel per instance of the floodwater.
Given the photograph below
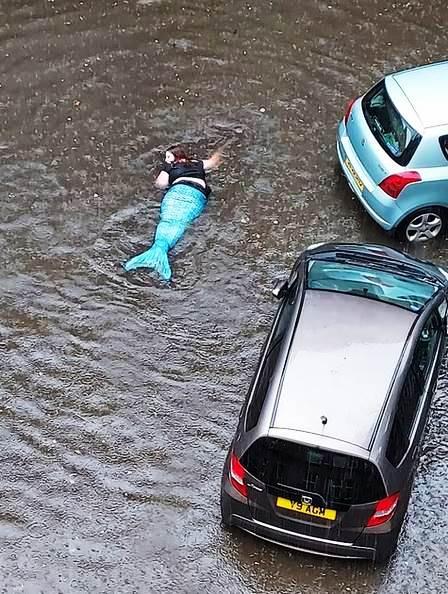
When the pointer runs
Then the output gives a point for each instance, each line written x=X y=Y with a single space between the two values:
x=119 y=394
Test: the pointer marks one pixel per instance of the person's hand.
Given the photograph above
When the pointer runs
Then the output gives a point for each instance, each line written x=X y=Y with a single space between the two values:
x=217 y=157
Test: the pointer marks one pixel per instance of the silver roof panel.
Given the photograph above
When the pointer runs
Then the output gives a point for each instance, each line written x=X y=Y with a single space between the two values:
x=342 y=359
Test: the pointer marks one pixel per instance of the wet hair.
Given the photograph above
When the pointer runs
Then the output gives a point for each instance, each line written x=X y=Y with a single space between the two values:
x=180 y=154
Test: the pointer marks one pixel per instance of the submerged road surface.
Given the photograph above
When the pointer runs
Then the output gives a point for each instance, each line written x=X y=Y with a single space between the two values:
x=118 y=394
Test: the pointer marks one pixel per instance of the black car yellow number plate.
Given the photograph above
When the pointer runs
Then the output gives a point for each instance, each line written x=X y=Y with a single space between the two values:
x=306 y=508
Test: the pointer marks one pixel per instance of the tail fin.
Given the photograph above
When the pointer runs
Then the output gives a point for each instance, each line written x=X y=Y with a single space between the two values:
x=156 y=257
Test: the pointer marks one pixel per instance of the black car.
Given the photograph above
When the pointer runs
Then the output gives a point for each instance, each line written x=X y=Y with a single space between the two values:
x=328 y=438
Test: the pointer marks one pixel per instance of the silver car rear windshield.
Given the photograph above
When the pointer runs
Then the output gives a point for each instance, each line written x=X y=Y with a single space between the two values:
x=394 y=134
x=365 y=281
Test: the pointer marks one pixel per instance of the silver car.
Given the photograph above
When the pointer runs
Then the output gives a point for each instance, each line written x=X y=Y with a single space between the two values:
x=393 y=149
x=328 y=438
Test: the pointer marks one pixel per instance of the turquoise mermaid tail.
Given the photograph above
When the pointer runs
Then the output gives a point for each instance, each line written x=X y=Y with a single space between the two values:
x=180 y=206
x=156 y=257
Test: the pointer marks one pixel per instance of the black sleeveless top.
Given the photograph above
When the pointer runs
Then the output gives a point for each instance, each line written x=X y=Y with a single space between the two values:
x=189 y=169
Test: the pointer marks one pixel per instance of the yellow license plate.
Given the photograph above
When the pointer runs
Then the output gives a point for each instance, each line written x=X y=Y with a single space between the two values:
x=355 y=176
x=306 y=508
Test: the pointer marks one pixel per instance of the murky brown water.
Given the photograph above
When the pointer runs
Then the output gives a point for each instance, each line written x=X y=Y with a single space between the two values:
x=119 y=396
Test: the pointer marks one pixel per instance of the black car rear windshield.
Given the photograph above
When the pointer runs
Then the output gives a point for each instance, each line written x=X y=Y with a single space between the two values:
x=340 y=479
x=394 y=134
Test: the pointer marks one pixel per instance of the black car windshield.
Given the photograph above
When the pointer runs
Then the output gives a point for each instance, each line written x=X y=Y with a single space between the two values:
x=366 y=281
x=388 y=126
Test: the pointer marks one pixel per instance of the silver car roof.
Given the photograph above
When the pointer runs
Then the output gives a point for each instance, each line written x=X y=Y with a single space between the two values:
x=340 y=365
x=426 y=88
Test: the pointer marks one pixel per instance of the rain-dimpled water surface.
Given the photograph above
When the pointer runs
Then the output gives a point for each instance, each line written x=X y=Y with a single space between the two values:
x=119 y=394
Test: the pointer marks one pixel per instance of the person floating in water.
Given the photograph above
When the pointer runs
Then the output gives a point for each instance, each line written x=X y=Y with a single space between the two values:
x=185 y=199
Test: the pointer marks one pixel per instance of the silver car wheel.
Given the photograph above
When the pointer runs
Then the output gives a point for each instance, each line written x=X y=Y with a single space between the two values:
x=423 y=227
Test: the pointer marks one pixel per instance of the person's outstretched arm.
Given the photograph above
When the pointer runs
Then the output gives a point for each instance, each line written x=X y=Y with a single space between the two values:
x=214 y=161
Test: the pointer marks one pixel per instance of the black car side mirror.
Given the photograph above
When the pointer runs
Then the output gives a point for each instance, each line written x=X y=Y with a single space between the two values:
x=280 y=289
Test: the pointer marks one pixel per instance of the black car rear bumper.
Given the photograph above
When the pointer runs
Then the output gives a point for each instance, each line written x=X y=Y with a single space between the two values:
x=307 y=544
x=298 y=542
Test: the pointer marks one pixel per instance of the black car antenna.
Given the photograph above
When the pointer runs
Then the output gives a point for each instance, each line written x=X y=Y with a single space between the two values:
x=324 y=422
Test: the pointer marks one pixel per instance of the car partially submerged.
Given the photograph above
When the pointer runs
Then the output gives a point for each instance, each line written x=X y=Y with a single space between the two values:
x=327 y=442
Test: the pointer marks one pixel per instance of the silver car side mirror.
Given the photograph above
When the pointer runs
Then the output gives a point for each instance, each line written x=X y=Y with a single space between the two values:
x=280 y=289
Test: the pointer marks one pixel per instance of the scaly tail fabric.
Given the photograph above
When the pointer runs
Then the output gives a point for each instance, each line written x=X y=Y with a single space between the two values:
x=180 y=206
